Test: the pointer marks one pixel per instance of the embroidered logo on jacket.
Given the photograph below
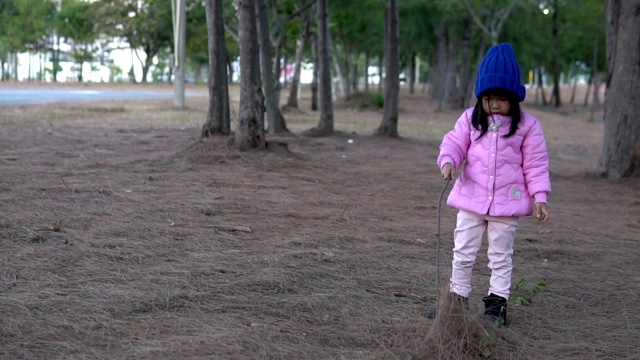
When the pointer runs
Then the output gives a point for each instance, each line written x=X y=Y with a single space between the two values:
x=515 y=193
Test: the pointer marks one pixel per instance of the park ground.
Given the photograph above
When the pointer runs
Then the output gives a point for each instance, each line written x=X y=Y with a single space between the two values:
x=123 y=235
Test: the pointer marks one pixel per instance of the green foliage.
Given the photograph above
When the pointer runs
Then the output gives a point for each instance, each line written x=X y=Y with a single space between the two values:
x=158 y=72
x=377 y=100
x=484 y=346
x=524 y=298
x=197 y=41
x=146 y=25
x=358 y=24
x=580 y=25
x=357 y=27
x=55 y=67
x=363 y=100
x=115 y=72
x=24 y=24
x=76 y=22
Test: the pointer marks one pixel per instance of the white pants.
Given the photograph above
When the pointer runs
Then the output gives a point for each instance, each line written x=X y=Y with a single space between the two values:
x=501 y=232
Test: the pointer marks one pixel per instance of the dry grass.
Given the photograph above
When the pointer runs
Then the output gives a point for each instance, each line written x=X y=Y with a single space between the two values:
x=457 y=333
x=124 y=235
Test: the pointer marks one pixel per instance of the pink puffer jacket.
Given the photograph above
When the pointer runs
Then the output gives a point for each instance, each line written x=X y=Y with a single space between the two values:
x=501 y=175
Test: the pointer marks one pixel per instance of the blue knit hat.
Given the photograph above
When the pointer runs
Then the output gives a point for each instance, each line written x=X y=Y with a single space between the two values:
x=500 y=70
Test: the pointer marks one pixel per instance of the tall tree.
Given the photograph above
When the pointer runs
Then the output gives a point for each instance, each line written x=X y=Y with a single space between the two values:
x=325 y=125
x=283 y=13
x=389 y=125
x=415 y=36
x=621 y=147
x=218 y=119
x=250 y=129
x=292 y=101
x=145 y=25
x=197 y=48
x=490 y=17
x=147 y=29
x=275 y=120
x=314 y=78
x=76 y=22
x=24 y=26
x=555 y=65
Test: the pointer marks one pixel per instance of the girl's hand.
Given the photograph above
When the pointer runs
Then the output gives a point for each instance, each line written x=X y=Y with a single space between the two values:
x=541 y=212
x=448 y=171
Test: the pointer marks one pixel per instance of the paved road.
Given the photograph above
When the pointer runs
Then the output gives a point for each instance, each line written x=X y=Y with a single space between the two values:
x=41 y=96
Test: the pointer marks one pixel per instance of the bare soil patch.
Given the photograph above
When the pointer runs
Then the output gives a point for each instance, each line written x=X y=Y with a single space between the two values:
x=123 y=235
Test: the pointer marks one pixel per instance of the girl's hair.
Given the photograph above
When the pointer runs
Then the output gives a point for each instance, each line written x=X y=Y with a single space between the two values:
x=480 y=119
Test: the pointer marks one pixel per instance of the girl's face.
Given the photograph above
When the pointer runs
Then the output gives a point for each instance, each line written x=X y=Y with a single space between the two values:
x=493 y=104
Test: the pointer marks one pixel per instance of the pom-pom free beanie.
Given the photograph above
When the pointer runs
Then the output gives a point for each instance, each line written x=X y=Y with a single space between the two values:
x=500 y=70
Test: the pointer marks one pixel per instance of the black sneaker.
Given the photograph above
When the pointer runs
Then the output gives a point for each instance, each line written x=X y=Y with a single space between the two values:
x=495 y=309
x=464 y=301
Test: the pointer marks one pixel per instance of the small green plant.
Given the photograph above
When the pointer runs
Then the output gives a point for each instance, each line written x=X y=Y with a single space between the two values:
x=521 y=287
x=150 y=178
x=485 y=345
x=362 y=100
x=377 y=100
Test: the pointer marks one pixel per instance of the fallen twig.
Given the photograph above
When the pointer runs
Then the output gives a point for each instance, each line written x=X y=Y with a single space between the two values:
x=230 y=227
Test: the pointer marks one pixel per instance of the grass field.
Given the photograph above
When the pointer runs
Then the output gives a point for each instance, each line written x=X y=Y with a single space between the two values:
x=123 y=235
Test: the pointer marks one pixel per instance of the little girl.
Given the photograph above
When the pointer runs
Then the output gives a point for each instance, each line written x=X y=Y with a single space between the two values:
x=506 y=170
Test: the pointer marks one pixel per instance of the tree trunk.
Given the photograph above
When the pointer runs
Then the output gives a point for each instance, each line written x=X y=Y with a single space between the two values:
x=557 y=102
x=439 y=73
x=29 y=70
x=316 y=64
x=347 y=72
x=366 y=72
x=449 y=89
x=621 y=146
x=541 y=87
x=494 y=22
x=56 y=58
x=292 y=101
x=389 y=125
x=381 y=61
x=286 y=71
x=589 y=83
x=277 y=62
x=411 y=72
x=555 y=70
x=16 y=63
x=145 y=72
x=250 y=129
x=325 y=125
x=385 y=53
x=536 y=102
x=344 y=83
x=595 y=79
x=353 y=75
x=595 y=102
x=474 y=74
x=80 y=65
x=464 y=89
x=230 y=70
x=574 y=83
x=275 y=120
x=218 y=119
